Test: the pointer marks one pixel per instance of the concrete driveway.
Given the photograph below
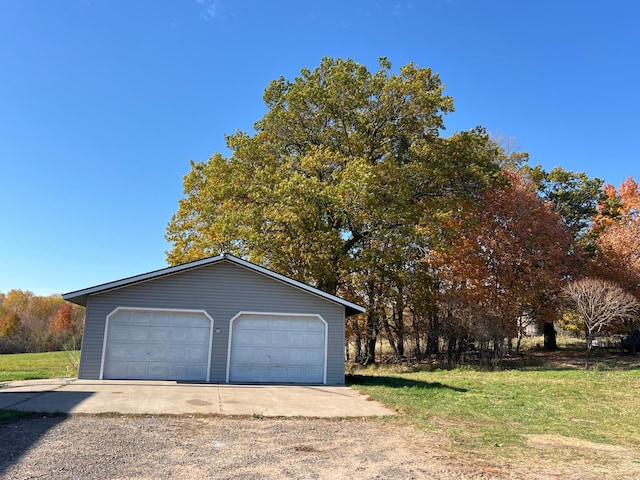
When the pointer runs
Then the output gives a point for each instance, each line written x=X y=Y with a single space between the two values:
x=151 y=397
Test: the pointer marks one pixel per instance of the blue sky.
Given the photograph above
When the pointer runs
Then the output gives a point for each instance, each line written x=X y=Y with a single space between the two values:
x=104 y=102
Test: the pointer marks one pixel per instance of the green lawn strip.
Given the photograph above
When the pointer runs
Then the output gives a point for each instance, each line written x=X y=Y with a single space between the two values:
x=480 y=408
x=30 y=366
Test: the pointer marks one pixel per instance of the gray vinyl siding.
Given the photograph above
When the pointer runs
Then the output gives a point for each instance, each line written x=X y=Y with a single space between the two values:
x=222 y=290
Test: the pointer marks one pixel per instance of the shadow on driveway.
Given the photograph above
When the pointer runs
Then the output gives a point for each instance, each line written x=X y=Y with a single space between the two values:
x=20 y=427
x=40 y=396
x=395 y=382
x=18 y=433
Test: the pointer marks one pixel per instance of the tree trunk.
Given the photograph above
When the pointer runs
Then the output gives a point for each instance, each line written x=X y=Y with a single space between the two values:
x=451 y=346
x=518 y=344
x=589 y=339
x=390 y=337
x=400 y=331
x=369 y=357
x=433 y=334
x=357 y=346
x=549 y=336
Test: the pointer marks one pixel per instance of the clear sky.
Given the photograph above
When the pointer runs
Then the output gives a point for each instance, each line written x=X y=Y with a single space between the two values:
x=104 y=102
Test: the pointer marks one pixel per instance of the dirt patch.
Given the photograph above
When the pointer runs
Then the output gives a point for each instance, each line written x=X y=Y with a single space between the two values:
x=560 y=441
x=558 y=456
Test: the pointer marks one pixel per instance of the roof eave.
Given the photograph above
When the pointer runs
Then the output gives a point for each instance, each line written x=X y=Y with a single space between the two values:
x=105 y=287
x=79 y=297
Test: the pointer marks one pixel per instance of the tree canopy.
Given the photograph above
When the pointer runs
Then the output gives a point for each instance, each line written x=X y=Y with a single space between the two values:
x=342 y=169
x=348 y=183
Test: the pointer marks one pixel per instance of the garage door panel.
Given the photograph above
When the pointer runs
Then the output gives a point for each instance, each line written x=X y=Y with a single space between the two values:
x=280 y=339
x=296 y=373
x=126 y=352
x=116 y=353
x=157 y=371
x=314 y=339
x=258 y=356
x=277 y=324
x=199 y=335
x=119 y=333
x=157 y=345
x=244 y=356
x=251 y=374
x=139 y=334
x=197 y=355
x=278 y=374
x=118 y=368
x=260 y=337
x=313 y=372
x=162 y=335
x=244 y=338
x=298 y=341
x=297 y=357
x=278 y=357
x=133 y=370
x=295 y=326
x=313 y=357
x=301 y=357
x=195 y=372
x=314 y=327
x=267 y=348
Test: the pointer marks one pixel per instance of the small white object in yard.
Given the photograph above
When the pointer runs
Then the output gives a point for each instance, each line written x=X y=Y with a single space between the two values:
x=215 y=444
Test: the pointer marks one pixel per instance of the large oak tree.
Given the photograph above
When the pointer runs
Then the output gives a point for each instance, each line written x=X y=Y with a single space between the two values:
x=343 y=184
x=344 y=160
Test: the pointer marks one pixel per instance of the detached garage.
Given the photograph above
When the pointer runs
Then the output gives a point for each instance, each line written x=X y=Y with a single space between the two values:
x=221 y=319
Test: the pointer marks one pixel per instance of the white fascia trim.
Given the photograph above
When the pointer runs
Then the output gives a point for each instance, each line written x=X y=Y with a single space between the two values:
x=199 y=263
x=293 y=282
x=273 y=314
x=143 y=309
x=142 y=278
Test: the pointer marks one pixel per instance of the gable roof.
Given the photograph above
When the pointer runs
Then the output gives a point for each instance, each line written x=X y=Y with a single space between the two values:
x=79 y=297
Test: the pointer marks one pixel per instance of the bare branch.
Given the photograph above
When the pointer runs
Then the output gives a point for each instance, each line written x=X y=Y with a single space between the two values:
x=601 y=303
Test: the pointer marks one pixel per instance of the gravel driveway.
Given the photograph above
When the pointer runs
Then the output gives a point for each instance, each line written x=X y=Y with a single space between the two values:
x=187 y=447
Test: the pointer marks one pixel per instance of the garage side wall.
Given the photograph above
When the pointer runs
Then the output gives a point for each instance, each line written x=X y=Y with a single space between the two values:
x=222 y=290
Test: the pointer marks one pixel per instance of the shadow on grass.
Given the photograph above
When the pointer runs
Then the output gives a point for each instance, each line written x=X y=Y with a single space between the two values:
x=396 y=382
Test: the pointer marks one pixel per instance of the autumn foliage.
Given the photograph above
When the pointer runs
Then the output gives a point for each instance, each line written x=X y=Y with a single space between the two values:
x=32 y=323
x=504 y=271
x=618 y=229
x=452 y=243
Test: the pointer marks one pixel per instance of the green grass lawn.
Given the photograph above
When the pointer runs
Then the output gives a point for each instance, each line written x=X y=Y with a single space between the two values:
x=481 y=410
x=29 y=366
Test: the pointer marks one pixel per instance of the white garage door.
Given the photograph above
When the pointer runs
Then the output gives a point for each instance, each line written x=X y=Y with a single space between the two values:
x=277 y=349
x=157 y=345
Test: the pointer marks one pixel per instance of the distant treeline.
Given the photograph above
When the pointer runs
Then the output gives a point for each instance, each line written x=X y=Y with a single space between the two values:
x=32 y=323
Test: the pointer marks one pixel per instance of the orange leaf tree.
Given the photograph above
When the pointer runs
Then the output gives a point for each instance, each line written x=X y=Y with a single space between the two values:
x=505 y=270
x=618 y=244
